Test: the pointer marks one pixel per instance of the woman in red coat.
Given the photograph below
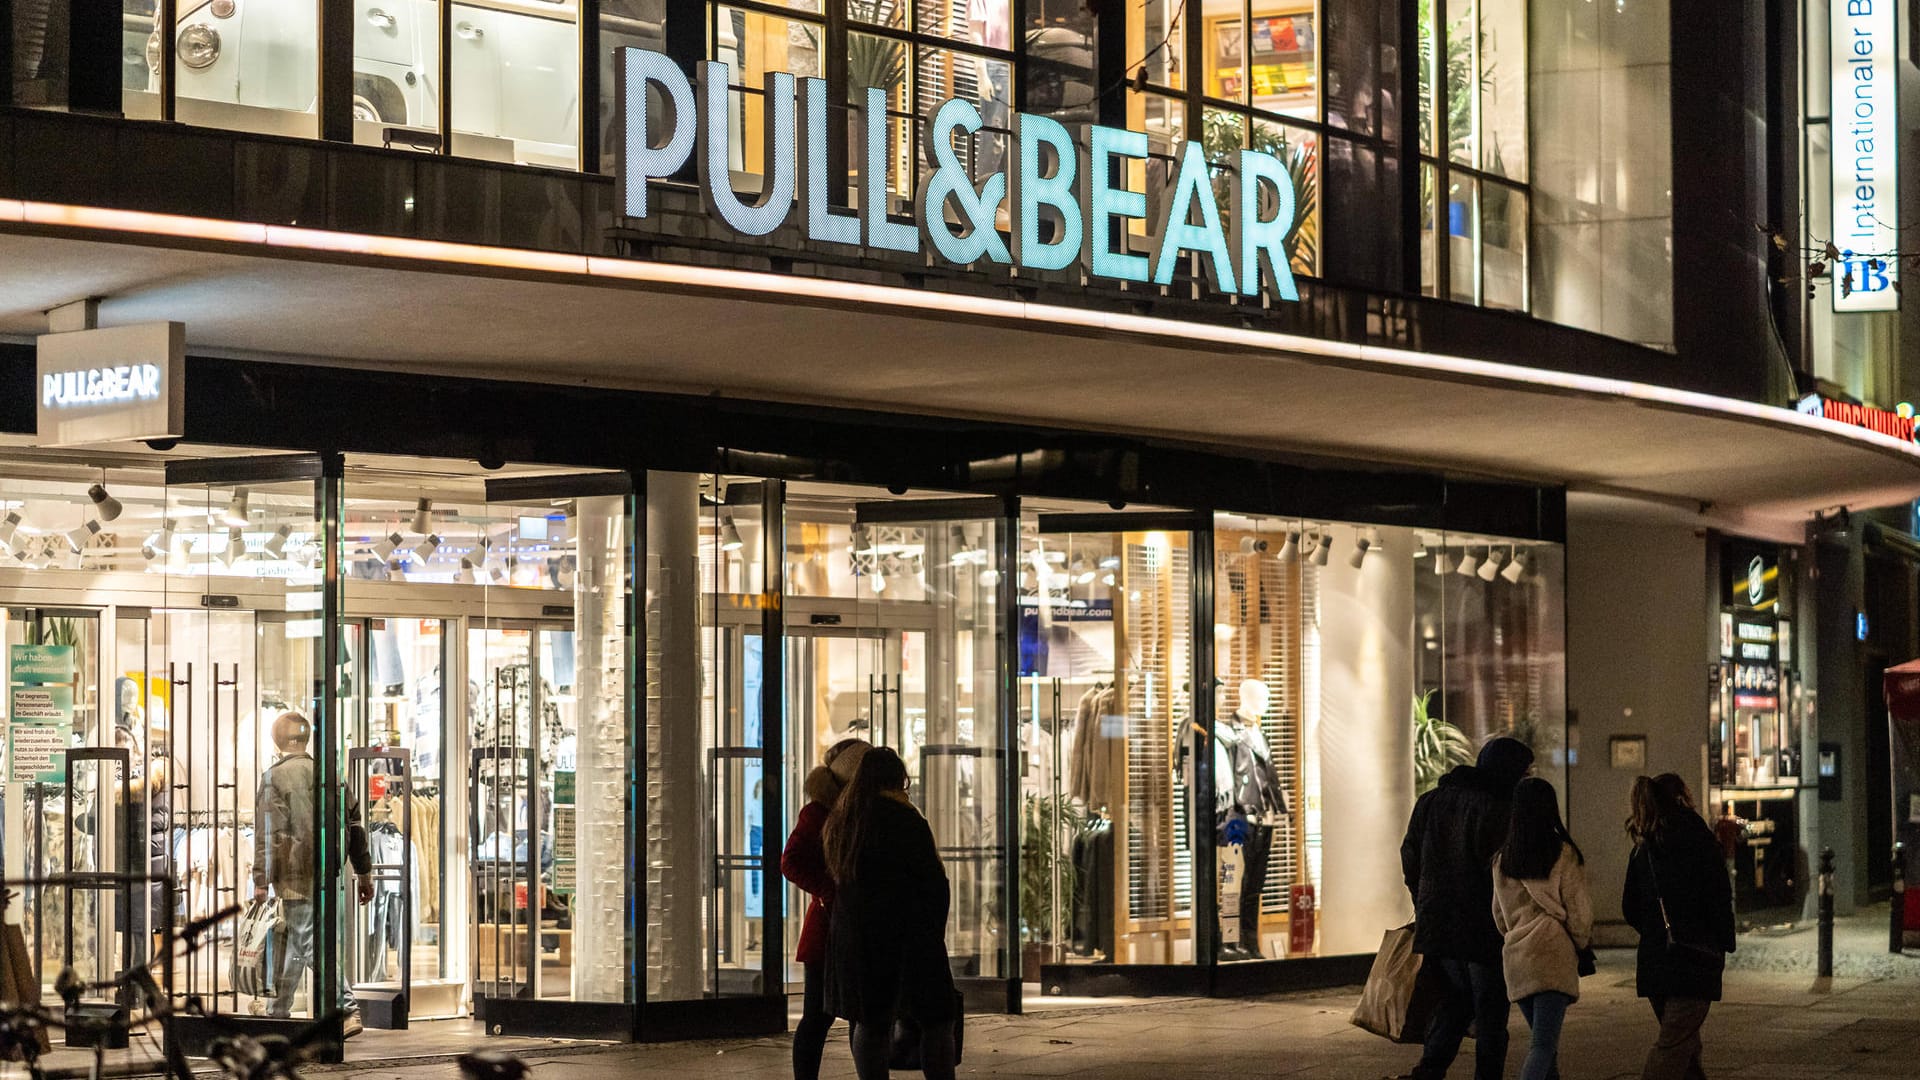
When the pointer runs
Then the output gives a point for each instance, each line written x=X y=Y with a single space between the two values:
x=804 y=862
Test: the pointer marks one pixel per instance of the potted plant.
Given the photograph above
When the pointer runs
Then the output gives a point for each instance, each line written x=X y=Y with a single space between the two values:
x=1048 y=825
x=1437 y=746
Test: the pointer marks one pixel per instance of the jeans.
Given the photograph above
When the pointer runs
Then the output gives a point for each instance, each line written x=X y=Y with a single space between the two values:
x=810 y=1034
x=1676 y=1052
x=1545 y=1012
x=299 y=957
x=1477 y=994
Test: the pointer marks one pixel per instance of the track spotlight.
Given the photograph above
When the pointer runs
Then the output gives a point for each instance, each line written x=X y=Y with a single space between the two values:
x=1322 y=550
x=730 y=535
x=1360 y=548
x=1111 y=562
x=160 y=544
x=8 y=526
x=1420 y=548
x=276 y=544
x=236 y=512
x=77 y=539
x=387 y=545
x=879 y=583
x=236 y=546
x=989 y=578
x=1468 y=564
x=1252 y=545
x=1491 y=568
x=424 y=549
x=104 y=504
x=465 y=576
x=423 y=516
x=1291 y=545
x=1440 y=565
x=1515 y=568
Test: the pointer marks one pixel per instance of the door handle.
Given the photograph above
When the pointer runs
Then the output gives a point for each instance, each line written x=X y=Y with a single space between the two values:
x=469 y=31
x=379 y=18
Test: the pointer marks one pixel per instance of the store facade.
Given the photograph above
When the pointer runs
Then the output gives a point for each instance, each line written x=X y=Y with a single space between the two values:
x=1177 y=560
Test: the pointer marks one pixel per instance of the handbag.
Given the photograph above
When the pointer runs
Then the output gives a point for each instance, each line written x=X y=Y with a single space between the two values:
x=905 y=1053
x=260 y=939
x=1675 y=947
x=1402 y=992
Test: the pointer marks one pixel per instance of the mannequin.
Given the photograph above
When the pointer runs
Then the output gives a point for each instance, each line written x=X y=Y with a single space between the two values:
x=1246 y=785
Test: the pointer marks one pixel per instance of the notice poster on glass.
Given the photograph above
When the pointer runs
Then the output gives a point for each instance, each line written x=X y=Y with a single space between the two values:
x=751 y=774
x=39 y=712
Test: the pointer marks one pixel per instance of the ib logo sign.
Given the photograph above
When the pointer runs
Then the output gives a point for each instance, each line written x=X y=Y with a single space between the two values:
x=1859 y=274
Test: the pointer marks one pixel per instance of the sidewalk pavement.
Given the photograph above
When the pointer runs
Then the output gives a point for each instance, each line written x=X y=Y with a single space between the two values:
x=1770 y=1027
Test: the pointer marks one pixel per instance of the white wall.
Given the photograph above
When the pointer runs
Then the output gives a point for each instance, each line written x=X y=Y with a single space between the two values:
x=1365 y=740
x=1640 y=635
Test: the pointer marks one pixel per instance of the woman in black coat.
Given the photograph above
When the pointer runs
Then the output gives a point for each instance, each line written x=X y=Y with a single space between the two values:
x=887 y=945
x=1678 y=896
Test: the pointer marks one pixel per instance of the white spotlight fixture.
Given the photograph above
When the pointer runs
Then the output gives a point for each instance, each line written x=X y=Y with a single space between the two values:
x=465 y=576
x=236 y=511
x=1108 y=581
x=424 y=549
x=423 y=516
x=77 y=539
x=1360 y=548
x=276 y=544
x=1491 y=568
x=236 y=546
x=1307 y=545
x=989 y=578
x=384 y=548
x=1323 y=550
x=730 y=535
x=1515 y=568
x=879 y=582
x=8 y=526
x=1440 y=565
x=1291 y=546
x=1111 y=562
x=104 y=504
x=1468 y=564
x=160 y=544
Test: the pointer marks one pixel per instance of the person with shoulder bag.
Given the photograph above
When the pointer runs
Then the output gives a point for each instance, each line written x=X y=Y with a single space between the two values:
x=804 y=862
x=1545 y=918
x=887 y=946
x=1678 y=897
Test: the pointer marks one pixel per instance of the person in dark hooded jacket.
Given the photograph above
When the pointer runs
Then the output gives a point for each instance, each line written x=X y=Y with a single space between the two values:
x=1447 y=858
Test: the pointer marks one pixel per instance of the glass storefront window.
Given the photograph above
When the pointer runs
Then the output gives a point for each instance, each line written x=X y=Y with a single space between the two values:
x=1473 y=99
x=1463 y=238
x=516 y=82
x=1061 y=39
x=1503 y=246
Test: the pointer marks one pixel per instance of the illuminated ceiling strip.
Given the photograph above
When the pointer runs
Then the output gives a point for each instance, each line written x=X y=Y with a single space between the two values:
x=842 y=292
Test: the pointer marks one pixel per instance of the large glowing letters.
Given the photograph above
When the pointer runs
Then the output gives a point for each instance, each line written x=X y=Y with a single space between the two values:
x=639 y=159
x=1102 y=203
x=1193 y=191
x=815 y=190
x=881 y=233
x=1068 y=199
x=1262 y=241
x=769 y=211
x=1034 y=138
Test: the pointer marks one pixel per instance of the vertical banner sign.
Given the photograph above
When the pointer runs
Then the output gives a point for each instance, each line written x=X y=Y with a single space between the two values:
x=1303 y=916
x=39 y=712
x=1866 y=134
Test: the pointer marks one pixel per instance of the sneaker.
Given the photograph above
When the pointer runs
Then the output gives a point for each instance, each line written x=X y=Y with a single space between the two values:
x=350 y=1024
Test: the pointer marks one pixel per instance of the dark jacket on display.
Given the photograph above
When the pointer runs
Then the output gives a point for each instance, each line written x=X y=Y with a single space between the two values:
x=1447 y=855
x=888 y=942
x=1683 y=866
x=804 y=862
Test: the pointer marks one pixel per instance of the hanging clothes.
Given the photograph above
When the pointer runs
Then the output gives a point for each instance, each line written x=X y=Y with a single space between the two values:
x=1096 y=727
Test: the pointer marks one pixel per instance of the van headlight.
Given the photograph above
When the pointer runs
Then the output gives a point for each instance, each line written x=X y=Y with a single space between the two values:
x=199 y=46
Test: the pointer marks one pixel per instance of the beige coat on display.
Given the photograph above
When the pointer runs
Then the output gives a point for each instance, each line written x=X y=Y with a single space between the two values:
x=1543 y=922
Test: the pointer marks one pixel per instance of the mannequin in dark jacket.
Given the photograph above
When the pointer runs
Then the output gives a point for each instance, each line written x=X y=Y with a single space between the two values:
x=887 y=946
x=1676 y=859
x=1447 y=858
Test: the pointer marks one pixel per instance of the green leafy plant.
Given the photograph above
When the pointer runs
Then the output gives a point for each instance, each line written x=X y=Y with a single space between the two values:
x=55 y=632
x=1437 y=746
x=1046 y=823
x=873 y=60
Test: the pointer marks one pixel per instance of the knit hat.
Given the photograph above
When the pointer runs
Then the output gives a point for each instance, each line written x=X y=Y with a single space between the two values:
x=824 y=782
x=1505 y=760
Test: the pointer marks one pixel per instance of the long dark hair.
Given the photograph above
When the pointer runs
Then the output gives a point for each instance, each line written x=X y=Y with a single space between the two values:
x=881 y=771
x=1657 y=801
x=1535 y=833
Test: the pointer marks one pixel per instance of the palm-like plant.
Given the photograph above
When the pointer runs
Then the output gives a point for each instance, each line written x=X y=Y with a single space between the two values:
x=1437 y=746
x=873 y=60
x=1221 y=136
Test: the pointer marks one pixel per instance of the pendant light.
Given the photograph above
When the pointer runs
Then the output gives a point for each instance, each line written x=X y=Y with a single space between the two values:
x=77 y=539
x=1516 y=568
x=424 y=549
x=1440 y=565
x=1291 y=546
x=423 y=516
x=387 y=545
x=276 y=544
x=1491 y=568
x=236 y=511
x=8 y=526
x=236 y=546
x=104 y=504
x=730 y=535
x=1468 y=564
x=1360 y=548
x=1324 y=549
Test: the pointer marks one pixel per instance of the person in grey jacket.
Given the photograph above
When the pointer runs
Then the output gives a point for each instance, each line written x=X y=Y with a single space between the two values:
x=283 y=848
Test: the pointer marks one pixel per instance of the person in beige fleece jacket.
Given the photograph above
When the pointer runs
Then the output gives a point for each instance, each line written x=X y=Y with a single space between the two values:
x=1545 y=918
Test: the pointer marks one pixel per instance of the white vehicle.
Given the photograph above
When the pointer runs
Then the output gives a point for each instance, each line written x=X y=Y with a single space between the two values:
x=515 y=65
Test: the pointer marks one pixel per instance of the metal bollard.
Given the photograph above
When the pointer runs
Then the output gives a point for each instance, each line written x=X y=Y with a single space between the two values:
x=1826 y=913
x=1897 y=922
